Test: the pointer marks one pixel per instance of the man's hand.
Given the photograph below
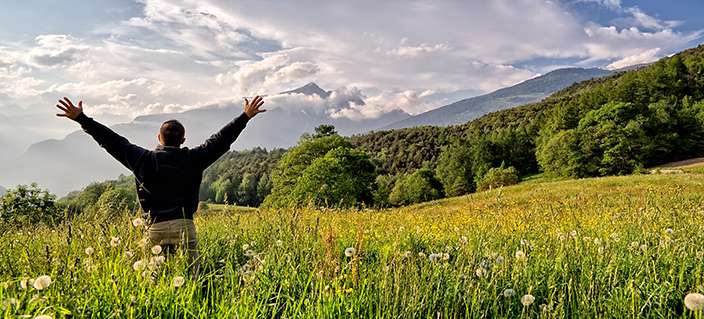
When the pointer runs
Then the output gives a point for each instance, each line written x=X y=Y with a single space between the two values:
x=69 y=109
x=252 y=108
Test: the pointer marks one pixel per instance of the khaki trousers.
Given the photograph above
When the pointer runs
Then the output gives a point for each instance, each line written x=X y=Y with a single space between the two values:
x=174 y=234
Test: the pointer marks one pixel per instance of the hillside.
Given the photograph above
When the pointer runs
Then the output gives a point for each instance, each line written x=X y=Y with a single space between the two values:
x=529 y=91
x=601 y=247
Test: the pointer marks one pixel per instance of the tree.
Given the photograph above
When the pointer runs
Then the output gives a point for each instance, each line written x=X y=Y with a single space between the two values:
x=324 y=130
x=498 y=177
x=292 y=165
x=344 y=177
x=454 y=169
x=421 y=186
x=29 y=205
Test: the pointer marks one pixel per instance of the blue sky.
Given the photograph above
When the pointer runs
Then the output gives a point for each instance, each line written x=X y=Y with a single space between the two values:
x=129 y=58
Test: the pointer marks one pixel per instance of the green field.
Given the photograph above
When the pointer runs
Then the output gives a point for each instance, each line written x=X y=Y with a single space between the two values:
x=608 y=247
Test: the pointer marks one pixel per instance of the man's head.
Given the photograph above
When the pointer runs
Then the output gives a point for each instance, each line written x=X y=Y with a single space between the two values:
x=172 y=133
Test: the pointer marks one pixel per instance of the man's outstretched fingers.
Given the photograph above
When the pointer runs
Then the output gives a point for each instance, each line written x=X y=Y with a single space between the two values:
x=61 y=108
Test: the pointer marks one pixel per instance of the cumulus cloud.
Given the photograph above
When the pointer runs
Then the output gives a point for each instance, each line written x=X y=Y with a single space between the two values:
x=182 y=54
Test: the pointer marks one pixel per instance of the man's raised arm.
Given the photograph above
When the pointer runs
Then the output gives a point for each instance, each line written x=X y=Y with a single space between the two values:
x=219 y=143
x=119 y=147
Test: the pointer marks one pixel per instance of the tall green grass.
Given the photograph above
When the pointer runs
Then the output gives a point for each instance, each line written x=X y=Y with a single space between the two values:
x=612 y=247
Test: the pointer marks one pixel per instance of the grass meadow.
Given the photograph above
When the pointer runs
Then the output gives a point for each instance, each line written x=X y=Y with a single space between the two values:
x=621 y=247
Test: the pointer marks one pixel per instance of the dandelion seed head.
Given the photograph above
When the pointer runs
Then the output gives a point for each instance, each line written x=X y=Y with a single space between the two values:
x=508 y=293
x=499 y=260
x=520 y=255
x=433 y=257
x=89 y=250
x=137 y=222
x=178 y=281
x=156 y=249
x=527 y=300
x=279 y=243
x=445 y=256
x=634 y=245
x=350 y=251
x=42 y=282
x=139 y=265
x=694 y=301
x=643 y=247
x=669 y=231
x=114 y=241
x=480 y=272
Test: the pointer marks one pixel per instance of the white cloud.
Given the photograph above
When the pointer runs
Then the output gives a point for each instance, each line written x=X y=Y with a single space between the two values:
x=646 y=56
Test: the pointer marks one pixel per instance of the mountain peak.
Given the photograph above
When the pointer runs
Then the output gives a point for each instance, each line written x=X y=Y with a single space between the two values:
x=310 y=89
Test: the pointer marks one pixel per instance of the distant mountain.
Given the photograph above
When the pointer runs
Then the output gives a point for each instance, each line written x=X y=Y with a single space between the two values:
x=71 y=163
x=529 y=91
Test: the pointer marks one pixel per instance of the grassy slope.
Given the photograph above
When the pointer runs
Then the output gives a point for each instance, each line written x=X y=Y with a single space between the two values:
x=619 y=262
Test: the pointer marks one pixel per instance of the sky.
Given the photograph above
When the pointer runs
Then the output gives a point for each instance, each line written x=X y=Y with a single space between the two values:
x=130 y=58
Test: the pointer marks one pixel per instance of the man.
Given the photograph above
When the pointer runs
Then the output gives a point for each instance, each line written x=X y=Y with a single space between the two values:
x=167 y=178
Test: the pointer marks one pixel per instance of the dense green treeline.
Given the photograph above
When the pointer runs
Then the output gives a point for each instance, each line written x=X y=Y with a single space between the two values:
x=606 y=126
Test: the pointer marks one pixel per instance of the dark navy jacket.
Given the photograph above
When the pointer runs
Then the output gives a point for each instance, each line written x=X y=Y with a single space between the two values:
x=168 y=178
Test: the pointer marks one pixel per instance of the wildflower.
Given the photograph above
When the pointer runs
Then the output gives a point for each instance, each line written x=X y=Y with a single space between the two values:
x=445 y=256
x=520 y=255
x=89 y=251
x=600 y=250
x=573 y=234
x=434 y=257
x=586 y=238
x=634 y=245
x=156 y=261
x=500 y=260
x=643 y=247
x=12 y=302
x=249 y=253
x=421 y=254
x=143 y=242
x=114 y=241
x=508 y=293
x=23 y=283
x=527 y=300
x=694 y=301
x=597 y=241
x=463 y=240
x=129 y=254
x=669 y=231
x=525 y=242
x=253 y=243
x=407 y=254
x=42 y=282
x=480 y=272
x=139 y=265
x=43 y=317
x=279 y=243
x=485 y=263
x=156 y=249
x=137 y=222
x=350 y=251
x=178 y=281
x=245 y=246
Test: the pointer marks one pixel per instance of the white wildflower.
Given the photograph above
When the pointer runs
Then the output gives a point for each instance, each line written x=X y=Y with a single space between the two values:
x=520 y=255
x=634 y=245
x=156 y=249
x=89 y=251
x=178 y=281
x=42 y=282
x=23 y=283
x=527 y=300
x=445 y=256
x=421 y=254
x=129 y=254
x=499 y=260
x=669 y=231
x=694 y=301
x=434 y=257
x=643 y=247
x=245 y=247
x=597 y=241
x=573 y=234
x=114 y=241
x=407 y=254
x=137 y=222
x=43 y=317
x=480 y=272
x=139 y=265
x=508 y=293
x=614 y=237
x=279 y=243
x=350 y=251
x=463 y=240
x=250 y=253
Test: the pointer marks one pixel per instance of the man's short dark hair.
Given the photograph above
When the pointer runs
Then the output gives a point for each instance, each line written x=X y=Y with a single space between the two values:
x=172 y=133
